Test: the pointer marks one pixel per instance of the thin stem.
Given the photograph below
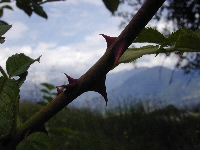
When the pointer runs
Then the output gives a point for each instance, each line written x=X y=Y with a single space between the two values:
x=43 y=2
x=97 y=71
x=3 y=72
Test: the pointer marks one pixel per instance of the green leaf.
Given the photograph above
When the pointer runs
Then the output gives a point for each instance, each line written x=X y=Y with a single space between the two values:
x=48 y=86
x=150 y=35
x=18 y=64
x=35 y=141
x=4 y=29
x=197 y=32
x=25 y=6
x=7 y=7
x=48 y=98
x=3 y=72
x=3 y=23
x=22 y=78
x=2 y=40
x=133 y=53
x=39 y=10
x=111 y=5
x=188 y=41
x=9 y=93
x=172 y=39
x=44 y=91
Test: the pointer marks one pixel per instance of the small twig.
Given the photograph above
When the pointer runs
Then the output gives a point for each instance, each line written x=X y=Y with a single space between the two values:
x=97 y=71
x=50 y=1
x=3 y=72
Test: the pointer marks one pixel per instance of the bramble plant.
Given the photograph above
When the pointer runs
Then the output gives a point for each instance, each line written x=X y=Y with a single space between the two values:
x=117 y=52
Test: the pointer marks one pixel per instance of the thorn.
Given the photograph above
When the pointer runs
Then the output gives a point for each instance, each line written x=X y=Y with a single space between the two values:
x=72 y=83
x=29 y=131
x=119 y=49
x=99 y=86
x=109 y=39
x=58 y=90
x=70 y=79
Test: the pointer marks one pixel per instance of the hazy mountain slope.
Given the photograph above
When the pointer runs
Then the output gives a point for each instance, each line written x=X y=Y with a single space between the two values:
x=141 y=83
x=154 y=83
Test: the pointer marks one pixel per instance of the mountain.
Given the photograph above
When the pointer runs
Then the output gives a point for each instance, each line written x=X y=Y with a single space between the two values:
x=154 y=83
x=150 y=84
x=139 y=84
x=113 y=80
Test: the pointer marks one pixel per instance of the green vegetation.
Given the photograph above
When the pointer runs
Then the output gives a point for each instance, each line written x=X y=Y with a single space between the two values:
x=123 y=128
x=120 y=128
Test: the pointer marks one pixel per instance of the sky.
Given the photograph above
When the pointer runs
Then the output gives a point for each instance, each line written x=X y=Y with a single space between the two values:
x=68 y=40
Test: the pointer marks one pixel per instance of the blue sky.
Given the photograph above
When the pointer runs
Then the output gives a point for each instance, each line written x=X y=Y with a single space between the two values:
x=68 y=40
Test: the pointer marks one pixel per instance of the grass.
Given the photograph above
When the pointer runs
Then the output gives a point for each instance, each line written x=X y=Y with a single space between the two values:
x=132 y=127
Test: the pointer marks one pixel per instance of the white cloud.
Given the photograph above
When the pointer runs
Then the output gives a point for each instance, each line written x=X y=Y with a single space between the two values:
x=55 y=12
x=95 y=2
x=78 y=2
x=76 y=58
x=17 y=31
x=160 y=60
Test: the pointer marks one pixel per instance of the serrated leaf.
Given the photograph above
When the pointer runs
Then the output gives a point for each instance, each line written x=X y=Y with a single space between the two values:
x=172 y=39
x=150 y=35
x=4 y=28
x=134 y=53
x=39 y=10
x=9 y=93
x=18 y=64
x=186 y=40
x=35 y=141
x=111 y=5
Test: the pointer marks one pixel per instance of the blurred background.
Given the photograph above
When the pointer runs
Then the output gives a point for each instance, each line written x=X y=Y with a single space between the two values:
x=153 y=102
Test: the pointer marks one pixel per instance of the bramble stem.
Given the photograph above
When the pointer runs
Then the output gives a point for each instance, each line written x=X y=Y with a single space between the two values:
x=97 y=71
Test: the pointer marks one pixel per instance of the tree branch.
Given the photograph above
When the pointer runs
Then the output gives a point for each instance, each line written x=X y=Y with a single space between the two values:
x=97 y=72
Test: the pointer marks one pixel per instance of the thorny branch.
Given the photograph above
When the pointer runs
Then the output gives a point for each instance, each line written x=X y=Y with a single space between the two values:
x=94 y=78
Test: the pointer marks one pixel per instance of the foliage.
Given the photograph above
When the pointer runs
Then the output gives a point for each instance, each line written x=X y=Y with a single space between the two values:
x=35 y=6
x=28 y=6
x=183 y=14
x=132 y=127
x=111 y=5
x=33 y=130
x=36 y=141
x=179 y=41
x=177 y=14
x=48 y=93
